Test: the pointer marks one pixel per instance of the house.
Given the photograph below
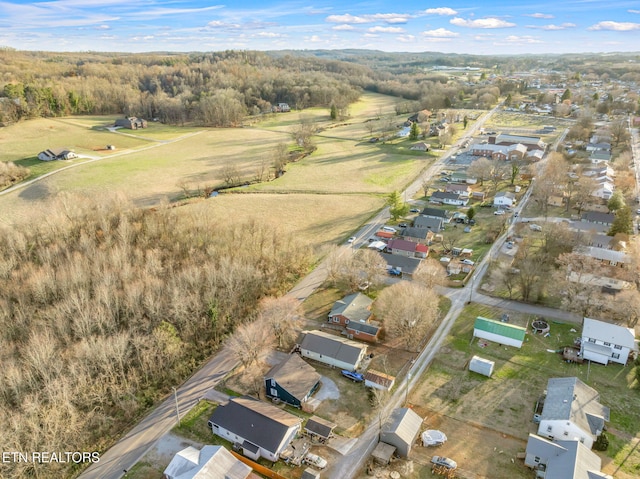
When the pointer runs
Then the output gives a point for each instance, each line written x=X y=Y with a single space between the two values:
x=407 y=248
x=453 y=199
x=598 y=218
x=435 y=213
x=422 y=146
x=131 y=122
x=562 y=459
x=606 y=256
x=257 y=428
x=462 y=177
x=407 y=266
x=384 y=235
x=478 y=195
x=496 y=152
x=363 y=331
x=57 y=154
x=424 y=223
x=377 y=380
x=530 y=142
x=504 y=198
x=319 y=429
x=604 y=191
x=353 y=307
x=332 y=350
x=499 y=332
x=420 y=235
x=600 y=156
x=598 y=146
x=481 y=366
x=606 y=343
x=292 y=381
x=281 y=108
x=534 y=155
x=401 y=430
x=463 y=190
x=572 y=411
x=210 y=462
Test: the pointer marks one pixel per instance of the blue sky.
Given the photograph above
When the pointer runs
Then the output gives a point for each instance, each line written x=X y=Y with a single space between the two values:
x=479 y=27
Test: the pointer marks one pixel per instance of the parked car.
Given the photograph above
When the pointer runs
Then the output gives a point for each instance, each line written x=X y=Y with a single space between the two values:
x=395 y=272
x=403 y=225
x=467 y=261
x=509 y=244
x=444 y=461
x=389 y=229
x=354 y=376
x=414 y=210
x=498 y=212
x=315 y=461
x=351 y=240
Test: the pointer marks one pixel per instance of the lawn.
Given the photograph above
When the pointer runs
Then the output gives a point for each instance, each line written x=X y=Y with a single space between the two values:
x=505 y=402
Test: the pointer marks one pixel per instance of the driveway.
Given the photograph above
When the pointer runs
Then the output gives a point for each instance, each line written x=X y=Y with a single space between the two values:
x=328 y=390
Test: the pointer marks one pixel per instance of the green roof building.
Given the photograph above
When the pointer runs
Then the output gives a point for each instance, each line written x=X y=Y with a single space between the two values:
x=499 y=332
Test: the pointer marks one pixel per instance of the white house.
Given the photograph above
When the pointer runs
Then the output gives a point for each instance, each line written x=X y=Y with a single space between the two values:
x=258 y=428
x=504 y=198
x=606 y=343
x=453 y=199
x=562 y=459
x=332 y=350
x=572 y=411
x=212 y=462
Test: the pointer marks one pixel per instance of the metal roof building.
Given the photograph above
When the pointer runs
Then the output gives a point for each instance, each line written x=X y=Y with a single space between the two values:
x=499 y=332
x=401 y=430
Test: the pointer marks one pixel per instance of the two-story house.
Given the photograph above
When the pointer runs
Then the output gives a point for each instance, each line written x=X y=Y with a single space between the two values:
x=606 y=343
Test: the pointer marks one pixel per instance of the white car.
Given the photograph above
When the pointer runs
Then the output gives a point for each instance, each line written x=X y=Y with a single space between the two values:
x=498 y=212
x=467 y=261
x=389 y=229
x=315 y=461
x=351 y=240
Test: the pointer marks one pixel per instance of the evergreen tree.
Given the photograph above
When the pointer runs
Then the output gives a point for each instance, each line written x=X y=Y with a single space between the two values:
x=623 y=223
x=415 y=131
x=397 y=207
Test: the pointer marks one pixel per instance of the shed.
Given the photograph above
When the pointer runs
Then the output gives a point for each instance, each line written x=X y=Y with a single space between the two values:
x=310 y=474
x=401 y=430
x=382 y=453
x=318 y=428
x=377 y=380
x=498 y=332
x=481 y=366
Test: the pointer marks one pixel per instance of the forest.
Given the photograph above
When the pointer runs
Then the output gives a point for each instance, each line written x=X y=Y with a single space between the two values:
x=104 y=307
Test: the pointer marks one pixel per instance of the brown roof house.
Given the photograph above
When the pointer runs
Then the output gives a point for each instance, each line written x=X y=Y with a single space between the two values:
x=292 y=381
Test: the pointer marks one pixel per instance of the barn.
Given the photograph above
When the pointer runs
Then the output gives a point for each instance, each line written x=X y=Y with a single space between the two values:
x=499 y=332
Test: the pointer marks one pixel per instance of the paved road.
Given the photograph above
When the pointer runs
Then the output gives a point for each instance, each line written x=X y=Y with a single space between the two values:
x=130 y=449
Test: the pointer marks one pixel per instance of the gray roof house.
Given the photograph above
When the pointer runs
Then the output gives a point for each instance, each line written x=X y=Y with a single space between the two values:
x=428 y=223
x=562 y=459
x=258 y=428
x=353 y=307
x=435 y=213
x=407 y=266
x=332 y=350
x=599 y=218
x=131 y=122
x=401 y=430
x=419 y=235
x=210 y=462
x=292 y=381
x=57 y=154
x=604 y=342
x=572 y=411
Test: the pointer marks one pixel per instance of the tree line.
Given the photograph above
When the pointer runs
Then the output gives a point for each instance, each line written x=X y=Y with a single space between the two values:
x=104 y=307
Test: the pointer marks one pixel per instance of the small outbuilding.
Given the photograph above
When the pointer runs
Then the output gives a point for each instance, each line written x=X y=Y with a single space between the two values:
x=377 y=380
x=310 y=474
x=499 y=332
x=401 y=430
x=383 y=453
x=319 y=429
x=481 y=366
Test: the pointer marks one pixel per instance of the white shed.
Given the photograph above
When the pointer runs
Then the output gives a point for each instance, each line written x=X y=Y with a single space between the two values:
x=481 y=366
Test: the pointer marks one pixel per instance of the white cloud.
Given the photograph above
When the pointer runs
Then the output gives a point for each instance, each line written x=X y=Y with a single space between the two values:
x=440 y=33
x=440 y=11
x=406 y=38
x=103 y=27
x=371 y=35
x=490 y=22
x=540 y=15
x=551 y=27
x=633 y=11
x=269 y=35
x=386 y=30
x=523 y=40
x=346 y=19
x=221 y=24
x=615 y=26
x=344 y=27
x=315 y=39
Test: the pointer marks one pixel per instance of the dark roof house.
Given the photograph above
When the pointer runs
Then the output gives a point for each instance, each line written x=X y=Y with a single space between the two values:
x=332 y=350
x=131 y=122
x=353 y=307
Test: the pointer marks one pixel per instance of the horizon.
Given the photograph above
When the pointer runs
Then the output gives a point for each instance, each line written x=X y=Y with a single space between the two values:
x=463 y=27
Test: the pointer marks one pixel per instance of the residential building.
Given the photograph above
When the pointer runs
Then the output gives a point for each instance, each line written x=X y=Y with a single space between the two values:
x=562 y=459
x=131 y=122
x=452 y=199
x=378 y=380
x=530 y=142
x=319 y=429
x=407 y=248
x=257 y=428
x=572 y=411
x=504 y=198
x=57 y=154
x=353 y=307
x=596 y=217
x=401 y=430
x=463 y=190
x=435 y=213
x=332 y=350
x=608 y=257
x=436 y=225
x=407 y=266
x=421 y=235
x=292 y=381
x=210 y=462
x=605 y=343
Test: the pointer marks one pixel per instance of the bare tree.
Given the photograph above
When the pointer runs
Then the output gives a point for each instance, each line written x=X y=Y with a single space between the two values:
x=480 y=169
x=283 y=315
x=430 y=273
x=251 y=342
x=303 y=133
x=408 y=311
x=280 y=157
x=230 y=174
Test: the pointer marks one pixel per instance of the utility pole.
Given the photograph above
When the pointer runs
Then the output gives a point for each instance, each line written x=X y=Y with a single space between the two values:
x=406 y=393
x=175 y=396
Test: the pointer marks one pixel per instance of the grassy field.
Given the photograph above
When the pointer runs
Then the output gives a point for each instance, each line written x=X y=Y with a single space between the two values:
x=505 y=402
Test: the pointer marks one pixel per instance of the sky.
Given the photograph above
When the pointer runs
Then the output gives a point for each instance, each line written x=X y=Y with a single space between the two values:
x=476 y=27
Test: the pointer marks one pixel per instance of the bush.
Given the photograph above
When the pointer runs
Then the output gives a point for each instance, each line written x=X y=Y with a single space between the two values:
x=602 y=443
